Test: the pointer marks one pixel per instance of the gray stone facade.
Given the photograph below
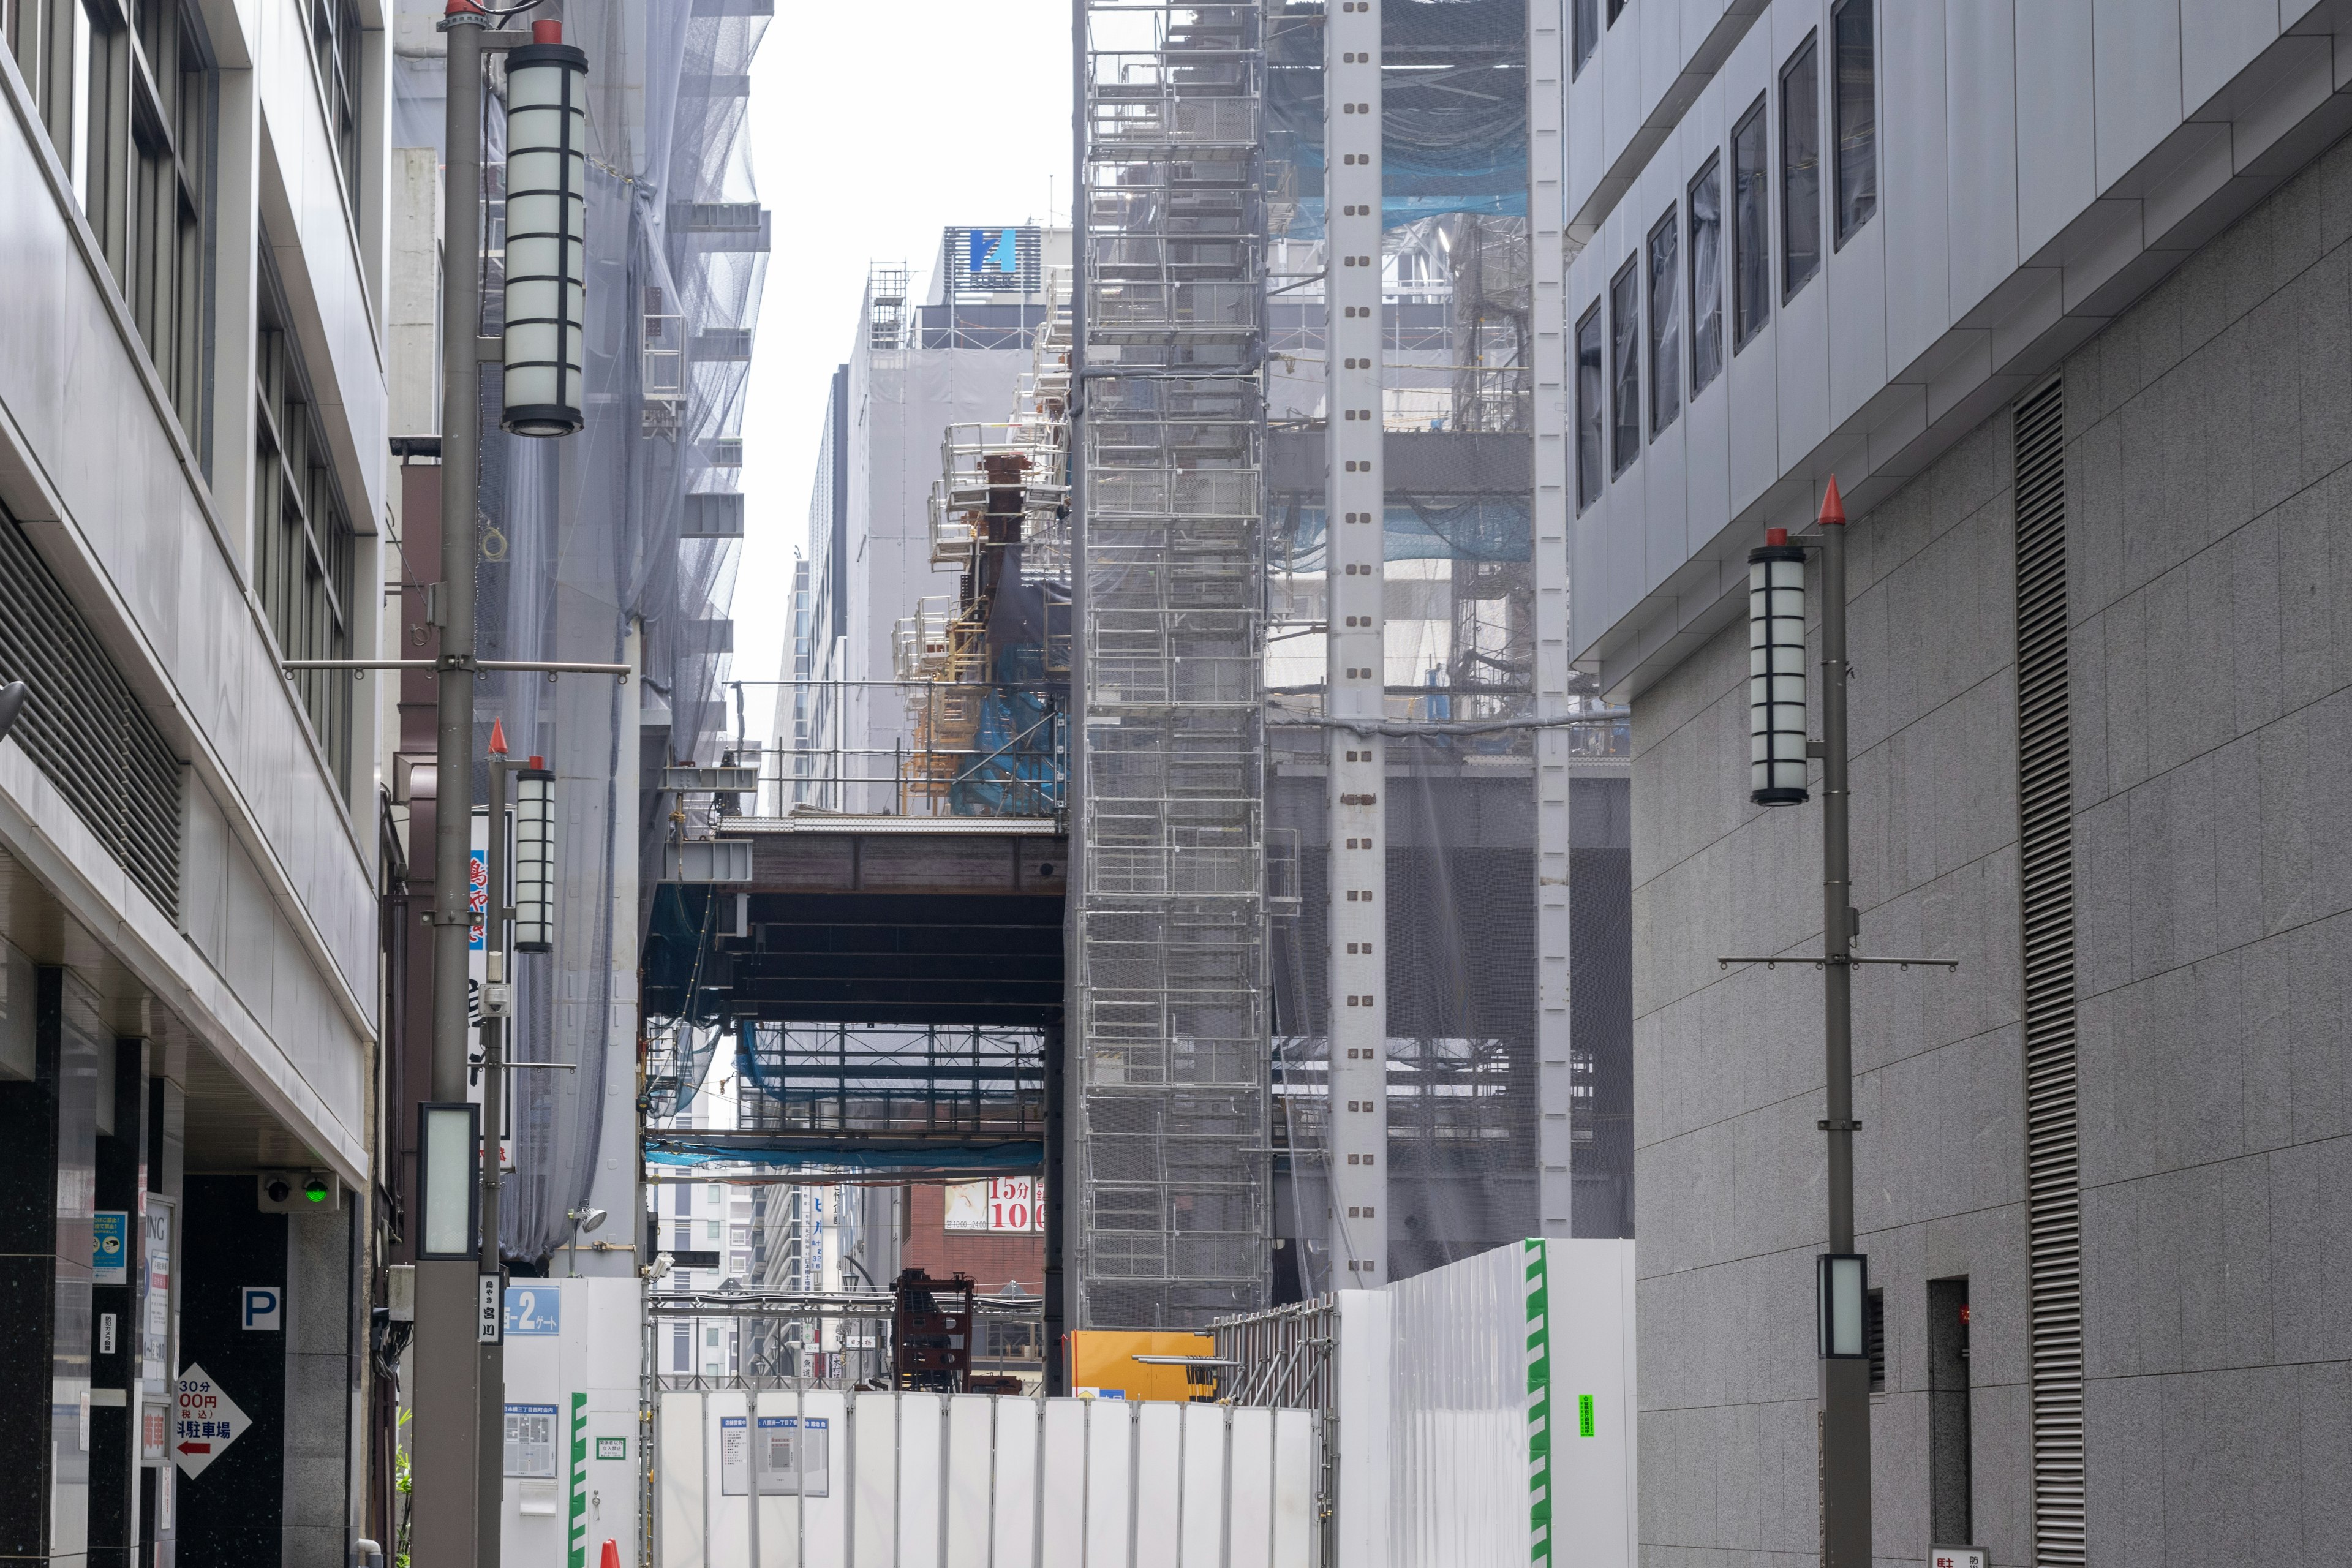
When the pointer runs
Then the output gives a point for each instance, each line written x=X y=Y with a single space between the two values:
x=2210 y=562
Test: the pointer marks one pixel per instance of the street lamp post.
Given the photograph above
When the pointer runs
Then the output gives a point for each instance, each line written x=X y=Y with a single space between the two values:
x=1777 y=757
x=1845 y=1351
x=460 y=1397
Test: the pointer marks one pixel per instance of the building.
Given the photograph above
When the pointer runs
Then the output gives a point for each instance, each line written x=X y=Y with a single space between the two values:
x=918 y=369
x=193 y=489
x=2057 y=294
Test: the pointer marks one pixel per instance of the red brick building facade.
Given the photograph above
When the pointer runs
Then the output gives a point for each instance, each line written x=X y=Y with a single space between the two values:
x=993 y=1259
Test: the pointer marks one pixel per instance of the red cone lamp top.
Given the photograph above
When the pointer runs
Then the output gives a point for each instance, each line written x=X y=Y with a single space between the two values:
x=1776 y=536
x=1833 y=505
x=497 y=737
x=546 y=32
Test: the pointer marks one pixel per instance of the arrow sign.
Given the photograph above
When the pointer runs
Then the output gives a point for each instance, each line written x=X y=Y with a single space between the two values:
x=206 y=1424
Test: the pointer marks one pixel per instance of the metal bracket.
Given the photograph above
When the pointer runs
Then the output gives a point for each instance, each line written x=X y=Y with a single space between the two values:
x=1820 y=962
x=1827 y=1126
x=489 y=350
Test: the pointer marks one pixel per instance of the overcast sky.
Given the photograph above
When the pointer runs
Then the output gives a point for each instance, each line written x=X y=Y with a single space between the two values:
x=872 y=128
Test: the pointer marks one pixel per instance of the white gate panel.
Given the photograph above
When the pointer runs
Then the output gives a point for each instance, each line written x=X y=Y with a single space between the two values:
x=971 y=1480
x=1062 y=1486
x=874 y=1476
x=1014 y=1528
x=1110 y=1435
x=1158 y=1505
x=1249 y=1508
x=922 y=1478
x=681 y=1532
x=778 y=1480
x=1202 y=1493
x=727 y=1494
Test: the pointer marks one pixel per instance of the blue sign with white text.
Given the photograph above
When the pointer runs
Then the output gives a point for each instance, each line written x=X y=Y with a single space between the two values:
x=534 y=1309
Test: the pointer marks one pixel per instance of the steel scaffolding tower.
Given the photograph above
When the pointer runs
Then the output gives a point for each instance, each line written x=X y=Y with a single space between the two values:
x=1169 y=1098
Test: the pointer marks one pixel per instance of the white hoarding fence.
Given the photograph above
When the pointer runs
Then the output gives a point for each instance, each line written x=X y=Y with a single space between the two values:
x=1486 y=1412
x=828 y=1479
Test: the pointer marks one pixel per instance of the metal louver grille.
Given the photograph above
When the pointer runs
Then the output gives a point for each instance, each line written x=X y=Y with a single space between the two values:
x=2046 y=846
x=83 y=728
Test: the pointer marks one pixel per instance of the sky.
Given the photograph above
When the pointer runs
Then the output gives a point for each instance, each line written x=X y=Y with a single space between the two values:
x=873 y=127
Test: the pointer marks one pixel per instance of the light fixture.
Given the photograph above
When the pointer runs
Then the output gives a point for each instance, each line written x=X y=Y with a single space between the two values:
x=588 y=1220
x=1776 y=672
x=534 y=869
x=547 y=233
x=450 y=1151
x=316 y=1190
x=1841 y=1288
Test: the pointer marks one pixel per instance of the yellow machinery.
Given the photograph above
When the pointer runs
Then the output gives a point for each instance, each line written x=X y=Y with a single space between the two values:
x=1102 y=1362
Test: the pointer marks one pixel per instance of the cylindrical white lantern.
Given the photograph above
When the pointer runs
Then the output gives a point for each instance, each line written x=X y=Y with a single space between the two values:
x=1776 y=672
x=547 y=233
x=534 y=871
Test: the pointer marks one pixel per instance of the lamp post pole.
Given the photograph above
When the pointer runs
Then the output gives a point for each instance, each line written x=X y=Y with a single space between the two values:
x=1844 y=1379
x=445 y=1448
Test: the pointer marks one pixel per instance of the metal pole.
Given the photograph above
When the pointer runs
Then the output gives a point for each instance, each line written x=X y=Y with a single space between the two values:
x=498 y=965
x=445 y=1475
x=1844 y=1383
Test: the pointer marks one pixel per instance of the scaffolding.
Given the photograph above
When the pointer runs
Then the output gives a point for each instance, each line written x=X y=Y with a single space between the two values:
x=1169 y=1091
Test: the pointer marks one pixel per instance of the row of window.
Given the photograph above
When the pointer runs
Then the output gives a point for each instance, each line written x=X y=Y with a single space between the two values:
x=1683 y=263
x=129 y=100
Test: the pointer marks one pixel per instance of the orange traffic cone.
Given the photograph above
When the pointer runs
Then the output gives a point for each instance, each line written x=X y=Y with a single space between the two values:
x=612 y=1557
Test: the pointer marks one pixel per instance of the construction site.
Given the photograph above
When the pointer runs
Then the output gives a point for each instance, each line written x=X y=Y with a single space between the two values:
x=1178 y=825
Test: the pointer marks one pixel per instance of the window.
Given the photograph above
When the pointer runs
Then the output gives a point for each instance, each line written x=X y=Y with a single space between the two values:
x=681 y=1349
x=127 y=94
x=1707 y=275
x=1591 y=389
x=711 y=1230
x=1801 y=168
x=1625 y=366
x=1857 y=116
x=1665 y=322
x=683 y=1200
x=1751 y=233
x=1587 y=22
x=1616 y=9
x=302 y=534
x=335 y=48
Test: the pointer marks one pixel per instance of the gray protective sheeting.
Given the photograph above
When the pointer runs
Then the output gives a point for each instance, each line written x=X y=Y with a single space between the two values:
x=582 y=536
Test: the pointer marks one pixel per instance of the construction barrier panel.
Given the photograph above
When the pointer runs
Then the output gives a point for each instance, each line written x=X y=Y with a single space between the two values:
x=768 y=1478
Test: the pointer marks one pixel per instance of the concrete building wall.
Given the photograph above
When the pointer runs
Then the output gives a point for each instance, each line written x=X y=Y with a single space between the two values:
x=2208 y=452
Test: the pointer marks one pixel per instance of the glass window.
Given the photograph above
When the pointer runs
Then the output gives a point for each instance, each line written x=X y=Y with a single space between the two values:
x=1707 y=275
x=1801 y=168
x=303 y=549
x=1751 y=233
x=1616 y=9
x=1665 y=322
x=1857 y=116
x=335 y=49
x=681 y=1349
x=1588 y=32
x=1592 y=390
x=1625 y=365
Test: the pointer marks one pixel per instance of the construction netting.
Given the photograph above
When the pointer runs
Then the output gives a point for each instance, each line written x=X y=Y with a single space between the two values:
x=619 y=543
x=1466 y=1087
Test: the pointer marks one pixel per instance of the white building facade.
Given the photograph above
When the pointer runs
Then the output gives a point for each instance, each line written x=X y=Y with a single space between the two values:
x=192 y=416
